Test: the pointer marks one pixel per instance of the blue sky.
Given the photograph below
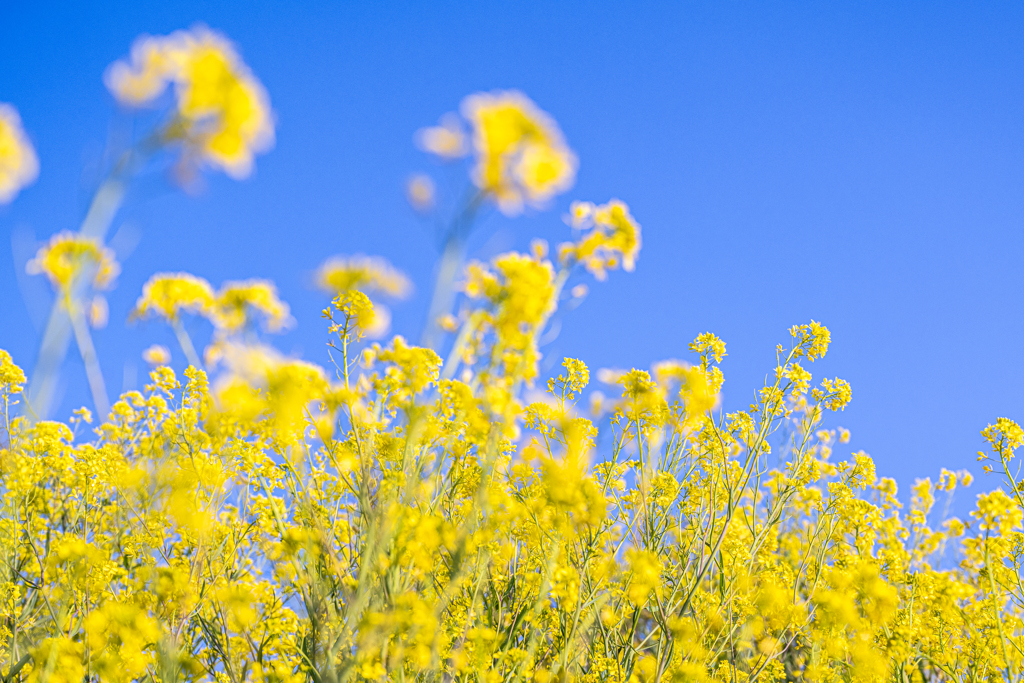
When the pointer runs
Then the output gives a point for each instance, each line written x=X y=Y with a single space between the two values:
x=861 y=164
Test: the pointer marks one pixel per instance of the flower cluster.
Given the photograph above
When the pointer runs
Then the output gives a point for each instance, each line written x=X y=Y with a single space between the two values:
x=222 y=112
x=613 y=238
x=396 y=516
x=18 y=163
x=520 y=156
x=70 y=256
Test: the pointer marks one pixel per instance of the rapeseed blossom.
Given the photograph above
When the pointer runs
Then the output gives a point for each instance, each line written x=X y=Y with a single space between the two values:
x=613 y=239
x=169 y=294
x=68 y=256
x=520 y=155
x=351 y=278
x=239 y=304
x=222 y=112
x=367 y=274
x=447 y=139
x=399 y=516
x=157 y=355
x=19 y=165
x=443 y=526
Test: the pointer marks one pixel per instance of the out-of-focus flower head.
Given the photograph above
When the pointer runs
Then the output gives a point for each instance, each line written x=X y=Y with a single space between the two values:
x=522 y=295
x=99 y=312
x=447 y=139
x=420 y=191
x=250 y=363
x=223 y=111
x=236 y=302
x=260 y=382
x=613 y=238
x=521 y=156
x=68 y=255
x=157 y=355
x=350 y=278
x=19 y=165
x=365 y=273
x=168 y=294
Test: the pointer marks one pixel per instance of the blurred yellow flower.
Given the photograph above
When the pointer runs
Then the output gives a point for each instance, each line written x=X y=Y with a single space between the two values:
x=68 y=255
x=420 y=192
x=99 y=312
x=521 y=156
x=365 y=273
x=237 y=301
x=223 y=111
x=157 y=355
x=168 y=294
x=446 y=140
x=18 y=163
x=614 y=238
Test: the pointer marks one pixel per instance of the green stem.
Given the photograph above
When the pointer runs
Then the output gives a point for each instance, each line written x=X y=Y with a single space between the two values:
x=92 y=364
x=185 y=342
x=444 y=285
x=57 y=337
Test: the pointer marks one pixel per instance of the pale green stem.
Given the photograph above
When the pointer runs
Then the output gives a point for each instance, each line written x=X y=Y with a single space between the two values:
x=451 y=258
x=92 y=363
x=444 y=290
x=186 y=344
x=57 y=337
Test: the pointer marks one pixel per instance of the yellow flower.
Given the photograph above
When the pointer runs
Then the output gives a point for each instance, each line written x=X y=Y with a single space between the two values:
x=812 y=339
x=168 y=294
x=12 y=378
x=645 y=575
x=99 y=312
x=521 y=156
x=412 y=369
x=157 y=355
x=222 y=110
x=237 y=301
x=420 y=192
x=260 y=382
x=613 y=240
x=365 y=273
x=18 y=163
x=69 y=255
x=709 y=343
x=145 y=76
x=362 y=315
x=446 y=140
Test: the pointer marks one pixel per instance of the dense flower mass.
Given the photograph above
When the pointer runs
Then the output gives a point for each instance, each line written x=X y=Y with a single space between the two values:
x=222 y=111
x=391 y=524
x=403 y=515
x=18 y=163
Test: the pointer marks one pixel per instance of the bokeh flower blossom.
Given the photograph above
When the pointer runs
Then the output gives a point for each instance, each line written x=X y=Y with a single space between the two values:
x=169 y=294
x=222 y=111
x=521 y=155
x=69 y=255
x=19 y=165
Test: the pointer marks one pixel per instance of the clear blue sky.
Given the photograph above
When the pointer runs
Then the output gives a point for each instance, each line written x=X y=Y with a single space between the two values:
x=861 y=164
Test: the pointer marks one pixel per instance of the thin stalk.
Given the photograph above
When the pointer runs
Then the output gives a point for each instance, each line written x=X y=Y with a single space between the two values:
x=185 y=342
x=451 y=258
x=92 y=363
x=57 y=337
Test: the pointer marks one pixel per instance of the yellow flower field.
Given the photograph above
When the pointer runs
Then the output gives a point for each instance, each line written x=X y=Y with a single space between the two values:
x=446 y=512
